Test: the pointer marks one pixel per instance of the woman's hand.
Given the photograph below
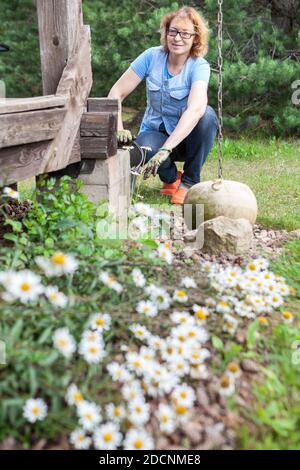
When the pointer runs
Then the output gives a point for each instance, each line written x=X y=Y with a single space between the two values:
x=124 y=136
x=155 y=162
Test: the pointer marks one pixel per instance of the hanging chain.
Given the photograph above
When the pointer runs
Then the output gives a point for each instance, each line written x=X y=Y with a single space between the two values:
x=220 y=98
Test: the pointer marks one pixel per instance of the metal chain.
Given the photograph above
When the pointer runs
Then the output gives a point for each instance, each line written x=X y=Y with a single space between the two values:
x=220 y=97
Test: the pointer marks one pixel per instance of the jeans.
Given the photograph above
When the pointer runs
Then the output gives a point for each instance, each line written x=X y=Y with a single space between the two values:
x=194 y=149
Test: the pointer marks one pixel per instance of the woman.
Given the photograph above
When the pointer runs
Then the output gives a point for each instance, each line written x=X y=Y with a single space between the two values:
x=177 y=120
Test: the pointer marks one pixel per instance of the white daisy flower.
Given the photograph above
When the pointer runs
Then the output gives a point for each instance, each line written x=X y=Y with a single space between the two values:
x=118 y=372
x=111 y=282
x=56 y=298
x=188 y=282
x=35 y=409
x=226 y=385
x=132 y=391
x=159 y=296
x=10 y=193
x=73 y=395
x=230 y=324
x=64 y=342
x=139 y=331
x=201 y=313
x=107 y=437
x=155 y=342
x=89 y=415
x=59 y=264
x=198 y=355
x=147 y=308
x=223 y=307
x=165 y=253
x=166 y=418
x=199 y=371
x=24 y=286
x=115 y=413
x=180 y=296
x=148 y=354
x=100 y=321
x=139 y=412
x=136 y=363
x=92 y=336
x=138 y=439
x=274 y=300
x=80 y=440
x=287 y=316
x=179 y=366
x=182 y=318
x=138 y=277
x=92 y=352
x=233 y=370
x=184 y=394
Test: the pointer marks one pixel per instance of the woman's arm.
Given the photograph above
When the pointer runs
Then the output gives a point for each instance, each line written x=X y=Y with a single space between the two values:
x=196 y=107
x=122 y=88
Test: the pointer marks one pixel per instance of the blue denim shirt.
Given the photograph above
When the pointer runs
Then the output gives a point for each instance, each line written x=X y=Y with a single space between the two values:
x=166 y=98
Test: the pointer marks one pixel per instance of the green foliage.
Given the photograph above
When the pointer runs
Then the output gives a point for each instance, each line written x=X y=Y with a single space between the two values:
x=260 y=58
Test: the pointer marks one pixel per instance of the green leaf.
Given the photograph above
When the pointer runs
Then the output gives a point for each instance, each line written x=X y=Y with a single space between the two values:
x=251 y=334
x=217 y=342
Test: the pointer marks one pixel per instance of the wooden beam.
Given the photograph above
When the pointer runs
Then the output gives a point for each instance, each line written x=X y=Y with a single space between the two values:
x=60 y=26
x=24 y=161
x=102 y=105
x=75 y=85
x=98 y=135
x=18 y=105
x=31 y=126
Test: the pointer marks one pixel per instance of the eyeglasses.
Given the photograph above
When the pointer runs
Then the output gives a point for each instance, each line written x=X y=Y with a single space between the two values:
x=183 y=34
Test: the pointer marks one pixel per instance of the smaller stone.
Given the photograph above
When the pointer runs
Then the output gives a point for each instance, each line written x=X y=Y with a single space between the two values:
x=190 y=236
x=248 y=365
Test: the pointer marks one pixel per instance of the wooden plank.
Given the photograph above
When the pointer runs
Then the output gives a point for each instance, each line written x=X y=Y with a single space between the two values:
x=99 y=105
x=24 y=161
x=60 y=26
x=32 y=126
x=75 y=85
x=17 y=105
x=98 y=135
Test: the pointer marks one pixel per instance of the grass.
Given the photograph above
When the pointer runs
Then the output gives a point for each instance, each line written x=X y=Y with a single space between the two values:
x=271 y=169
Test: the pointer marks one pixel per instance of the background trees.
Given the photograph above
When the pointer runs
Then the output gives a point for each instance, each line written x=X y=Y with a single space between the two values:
x=261 y=53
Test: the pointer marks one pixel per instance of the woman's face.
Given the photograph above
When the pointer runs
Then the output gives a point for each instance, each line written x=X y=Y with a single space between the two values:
x=176 y=44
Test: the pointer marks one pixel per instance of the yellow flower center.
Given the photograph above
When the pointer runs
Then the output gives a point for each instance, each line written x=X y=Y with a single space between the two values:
x=225 y=382
x=58 y=258
x=262 y=321
x=183 y=394
x=200 y=314
x=181 y=293
x=107 y=436
x=233 y=367
x=100 y=321
x=62 y=342
x=138 y=444
x=78 y=396
x=93 y=349
x=252 y=267
x=117 y=411
x=35 y=410
x=25 y=286
x=287 y=315
x=165 y=419
x=180 y=410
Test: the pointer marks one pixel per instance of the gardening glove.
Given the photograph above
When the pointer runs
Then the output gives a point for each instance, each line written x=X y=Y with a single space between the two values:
x=155 y=162
x=124 y=136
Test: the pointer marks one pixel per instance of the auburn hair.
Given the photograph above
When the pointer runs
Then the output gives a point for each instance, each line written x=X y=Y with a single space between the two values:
x=200 y=45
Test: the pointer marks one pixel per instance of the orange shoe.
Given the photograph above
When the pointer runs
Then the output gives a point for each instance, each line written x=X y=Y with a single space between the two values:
x=169 y=189
x=179 y=195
